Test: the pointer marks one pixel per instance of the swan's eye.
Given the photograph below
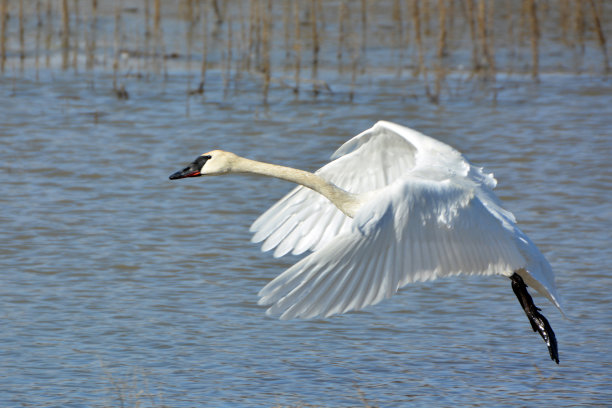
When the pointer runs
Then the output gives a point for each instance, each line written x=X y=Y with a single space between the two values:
x=201 y=160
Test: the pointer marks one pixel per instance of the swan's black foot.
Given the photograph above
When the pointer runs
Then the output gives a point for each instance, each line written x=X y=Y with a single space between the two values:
x=538 y=322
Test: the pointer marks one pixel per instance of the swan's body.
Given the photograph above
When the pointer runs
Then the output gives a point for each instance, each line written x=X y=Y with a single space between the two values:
x=393 y=207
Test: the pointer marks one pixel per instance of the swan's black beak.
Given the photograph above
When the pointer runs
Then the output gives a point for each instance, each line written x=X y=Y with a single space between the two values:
x=193 y=170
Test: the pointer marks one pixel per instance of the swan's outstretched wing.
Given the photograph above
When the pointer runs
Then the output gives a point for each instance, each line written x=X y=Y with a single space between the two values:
x=304 y=220
x=414 y=230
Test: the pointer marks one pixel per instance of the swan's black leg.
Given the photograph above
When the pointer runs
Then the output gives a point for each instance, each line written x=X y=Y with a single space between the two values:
x=538 y=322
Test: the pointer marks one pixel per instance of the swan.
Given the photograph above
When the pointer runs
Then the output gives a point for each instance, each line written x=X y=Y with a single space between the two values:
x=392 y=207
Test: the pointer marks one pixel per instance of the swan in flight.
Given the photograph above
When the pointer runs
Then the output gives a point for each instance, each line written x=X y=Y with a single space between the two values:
x=392 y=207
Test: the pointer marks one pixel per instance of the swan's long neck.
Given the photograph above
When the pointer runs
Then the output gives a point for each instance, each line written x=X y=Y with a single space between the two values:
x=346 y=202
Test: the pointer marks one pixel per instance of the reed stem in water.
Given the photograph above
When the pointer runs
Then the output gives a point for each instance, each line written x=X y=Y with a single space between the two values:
x=535 y=37
x=342 y=13
x=75 y=36
x=266 y=38
x=39 y=25
x=416 y=22
x=297 y=48
x=364 y=31
x=65 y=33
x=441 y=28
x=601 y=38
x=483 y=33
x=315 y=45
x=91 y=43
x=3 y=29
x=203 y=67
x=469 y=12
x=21 y=37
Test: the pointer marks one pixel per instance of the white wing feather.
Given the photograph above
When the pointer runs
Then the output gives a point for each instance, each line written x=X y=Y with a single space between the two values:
x=414 y=231
x=369 y=161
x=429 y=214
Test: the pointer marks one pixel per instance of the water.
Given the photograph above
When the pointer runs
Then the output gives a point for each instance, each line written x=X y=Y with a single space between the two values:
x=121 y=288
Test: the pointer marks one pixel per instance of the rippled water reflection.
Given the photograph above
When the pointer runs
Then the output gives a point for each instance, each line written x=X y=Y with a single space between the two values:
x=119 y=286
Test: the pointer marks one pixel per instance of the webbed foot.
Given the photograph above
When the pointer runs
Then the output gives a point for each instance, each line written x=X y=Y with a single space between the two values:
x=537 y=320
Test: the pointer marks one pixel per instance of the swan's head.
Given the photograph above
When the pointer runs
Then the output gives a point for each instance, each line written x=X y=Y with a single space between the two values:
x=209 y=164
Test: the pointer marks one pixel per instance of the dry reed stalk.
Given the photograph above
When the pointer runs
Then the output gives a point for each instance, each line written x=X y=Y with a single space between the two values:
x=483 y=34
x=147 y=32
x=197 y=5
x=287 y=31
x=157 y=36
x=354 y=51
x=491 y=26
x=116 y=47
x=204 y=11
x=139 y=55
x=189 y=17
x=510 y=36
x=251 y=36
x=261 y=21
x=601 y=38
x=342 y=14
x=105 y=50
x=442 y=29
x=535 y=36
x=354 y=66
x=227 y=71
x=364 y=27
x=39 y=24
x=579 y=24
x=242 y=39
x=407 y=32
x=75 y=35
x=321 y=15
x=162 y=48
x=396 y=17
x=191 y=23
x=469 y=11
x=21 y=36
x=523 y=18
x=91 y=43
x=217 y=11
x=191 y=20
x=441 y=52
x=564 y=17
x=398 y=34
x=315 y=45
x=416 y=22
x=451 y=16
x=426 y=17
x=297 y=48
x=65 y=33
x=3 y=29
x=440 y=75
x=417 y=16
x=257 y=20
x=266 y=39
x=49 y=33
x=120 y=90
x=147 y=16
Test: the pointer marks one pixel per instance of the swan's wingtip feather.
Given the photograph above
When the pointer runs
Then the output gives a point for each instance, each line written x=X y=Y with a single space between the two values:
x=560 y=304
x=264 y=296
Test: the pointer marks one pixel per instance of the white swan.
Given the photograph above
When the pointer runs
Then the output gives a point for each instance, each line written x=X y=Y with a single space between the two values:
x=393 y=206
